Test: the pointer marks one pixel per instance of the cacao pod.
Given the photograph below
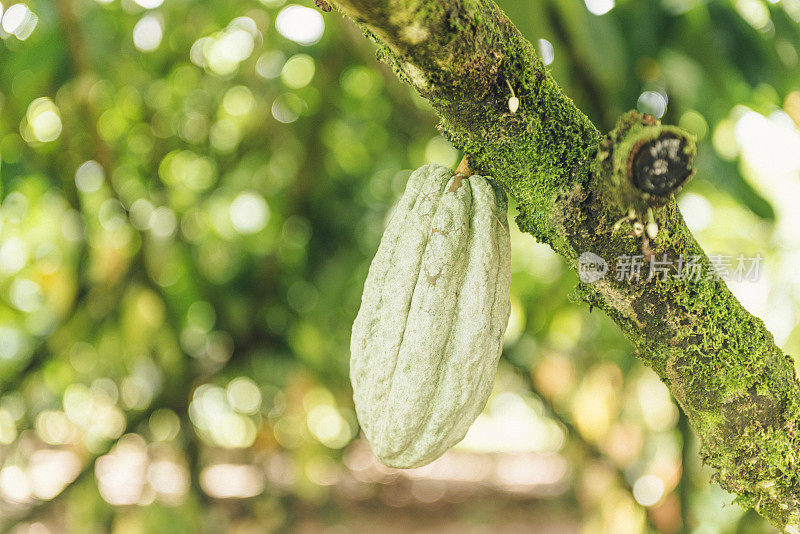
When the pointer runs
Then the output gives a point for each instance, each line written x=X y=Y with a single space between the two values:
x=426 y=341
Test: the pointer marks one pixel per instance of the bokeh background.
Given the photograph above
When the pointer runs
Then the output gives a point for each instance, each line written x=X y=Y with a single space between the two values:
x=192 y=191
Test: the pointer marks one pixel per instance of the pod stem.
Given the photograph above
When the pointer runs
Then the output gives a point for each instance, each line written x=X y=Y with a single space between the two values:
x=463 y=167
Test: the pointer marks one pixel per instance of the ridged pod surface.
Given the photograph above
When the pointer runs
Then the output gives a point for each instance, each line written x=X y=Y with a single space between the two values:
x=427 y=338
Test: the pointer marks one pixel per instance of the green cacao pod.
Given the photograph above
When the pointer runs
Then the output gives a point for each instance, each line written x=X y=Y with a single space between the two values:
x=435 y=307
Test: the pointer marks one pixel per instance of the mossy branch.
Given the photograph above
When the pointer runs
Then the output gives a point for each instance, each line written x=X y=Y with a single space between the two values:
x=582 y=192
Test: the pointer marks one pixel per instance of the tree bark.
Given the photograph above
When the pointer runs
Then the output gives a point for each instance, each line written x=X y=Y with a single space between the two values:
x=574 y=188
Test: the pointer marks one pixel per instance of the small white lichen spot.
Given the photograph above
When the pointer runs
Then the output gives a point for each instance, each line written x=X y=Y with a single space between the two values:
x=792 y=529
x=426 y=341
x=416 y=75
x=414 y=34
x=652 y=230
x=513 y=104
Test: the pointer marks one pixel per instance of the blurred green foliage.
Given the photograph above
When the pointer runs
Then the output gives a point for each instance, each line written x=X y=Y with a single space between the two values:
x=192 y=192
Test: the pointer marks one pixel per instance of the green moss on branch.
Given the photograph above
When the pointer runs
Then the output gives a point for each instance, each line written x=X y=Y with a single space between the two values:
x=463 y=56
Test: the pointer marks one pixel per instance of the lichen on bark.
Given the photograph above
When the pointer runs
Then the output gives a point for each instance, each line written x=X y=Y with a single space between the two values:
x=737 y=388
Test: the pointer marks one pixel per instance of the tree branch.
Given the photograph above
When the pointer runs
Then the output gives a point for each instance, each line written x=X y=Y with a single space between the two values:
x=738 y=390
